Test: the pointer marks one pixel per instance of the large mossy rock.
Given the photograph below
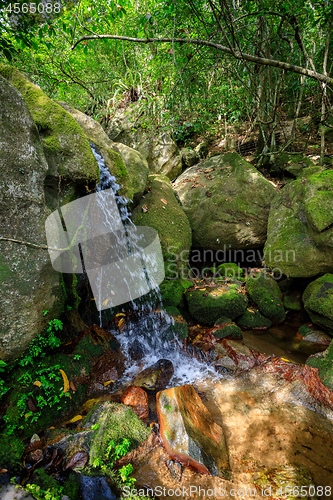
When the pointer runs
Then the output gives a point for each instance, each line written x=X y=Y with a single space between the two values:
x=127 y=165
x=129 y=127
x=324 y=362
x=207 y=305
x=265 y=293
x=28 y=284
x=300 y=232
x=71 y=163
x=318 y=301
x=227 y=202
x=160 y=210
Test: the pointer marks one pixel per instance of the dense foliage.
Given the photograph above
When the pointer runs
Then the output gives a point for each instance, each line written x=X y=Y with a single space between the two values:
x=193 y=66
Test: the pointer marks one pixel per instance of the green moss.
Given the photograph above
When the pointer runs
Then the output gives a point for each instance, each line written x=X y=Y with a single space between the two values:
x=179 y=328
x=318 y=301
x=46 y=482
x=206 y=306
x=229 y=330
x=5 y=271
x=172 y=291
x=252 y=319
x=66 y=149
x=114 y=423
x=169 y=220
x=265 y=293
x=11 y=452
x=324 y=362
x=72 y=487
x=318 y=195
x=230 y=270
x=292 y=301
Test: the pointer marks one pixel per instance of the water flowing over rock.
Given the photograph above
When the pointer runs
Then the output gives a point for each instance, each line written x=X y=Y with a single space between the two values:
x=300 y=233
x=160 y=151
x=227 y=203
x=130 y=169
x=189 y=433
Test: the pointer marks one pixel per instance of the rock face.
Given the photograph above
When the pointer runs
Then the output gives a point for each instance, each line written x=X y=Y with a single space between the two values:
x=28 y=284
x=71 y=164
x=265 y=293
x=318 y=302
x=300 y=233
x=227 y=203
x=189 y=433
x=155 y=377
x=160 y=151
x=160 y=210
x=207 y=305
x=130 y=169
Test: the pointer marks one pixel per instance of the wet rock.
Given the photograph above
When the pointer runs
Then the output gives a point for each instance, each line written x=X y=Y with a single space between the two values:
x=283 y=477
x=95 y=488
x=318 y=302
x=228 y=330
x=136 y=350
x=265 y=293
x=178 y=328
x=310 y=341
x=137 y=399
x=155 y=377
x=253 y=320
x=106 y=421
x=189 y=433
x=323 y=361
x=206 y=305
x=227 y=202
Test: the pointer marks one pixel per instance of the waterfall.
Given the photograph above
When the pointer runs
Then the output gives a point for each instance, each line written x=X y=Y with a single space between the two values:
x=148 y=329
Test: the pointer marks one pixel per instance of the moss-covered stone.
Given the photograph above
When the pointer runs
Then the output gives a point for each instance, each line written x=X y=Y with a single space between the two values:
x=207 y=305
x=292 y=163
x=172 y=291
x=324 y=362
x=66 y=149
x=295 y=246
x=229 y=270
x=265 y=293
x=227 y=202
x=179 y=328
x=11 y=452
x=318 y=200
x=229 y=330
x=292 y=300
x=160 y=210
x=252 y=320
x=318 y=301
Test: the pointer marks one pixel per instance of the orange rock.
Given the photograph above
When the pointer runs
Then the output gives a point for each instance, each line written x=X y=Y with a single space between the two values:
x=137 y=399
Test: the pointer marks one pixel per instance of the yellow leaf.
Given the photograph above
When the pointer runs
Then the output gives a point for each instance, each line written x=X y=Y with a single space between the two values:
x=284 y=359
x=37 y=383
x=65 y=379
x=202 y=289
x=121 y=322
x=76 y=419
x=120 y=314
x=52 y=427
x=164 y=201
x=105 y=303
x=108 y=382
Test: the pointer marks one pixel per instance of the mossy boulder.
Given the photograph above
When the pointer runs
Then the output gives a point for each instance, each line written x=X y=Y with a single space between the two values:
x=300 y=236
x=172 y=291
x=11 y=452
x=292 y=163
x=71 y=163
x=160 y=210
x=229 y=270
x=227 y=202
x=228 y=330
x=207 y=305
x=127 y=165
x=253 y=320
x=324 y=362
x=265 y=293
x=28 y=284
x=292 y=300
x=318 y=302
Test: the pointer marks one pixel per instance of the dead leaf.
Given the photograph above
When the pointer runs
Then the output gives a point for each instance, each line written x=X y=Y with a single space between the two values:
x=105 y=303
x=120 y=314
x=72 y=386
x=144 y=208
x=76 y=419
x=37 y=383
x=164 y=201
x=108 y=382
x=79 y=459
x=65 y=379
x=3 y=471
x=121 y=324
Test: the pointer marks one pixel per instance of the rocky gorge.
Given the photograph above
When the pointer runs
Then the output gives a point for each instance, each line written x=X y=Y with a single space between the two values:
x=221 y=380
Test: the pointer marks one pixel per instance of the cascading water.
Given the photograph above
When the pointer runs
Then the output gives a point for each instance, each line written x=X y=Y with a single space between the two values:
x=148 y=329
